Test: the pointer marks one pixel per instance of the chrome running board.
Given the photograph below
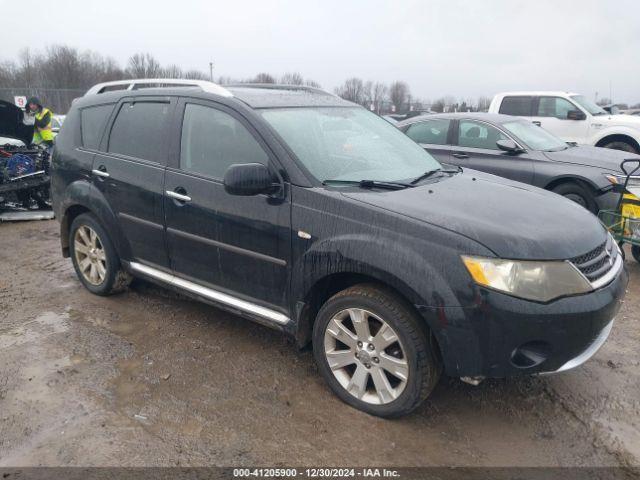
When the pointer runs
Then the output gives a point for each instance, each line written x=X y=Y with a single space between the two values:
x=210 y=293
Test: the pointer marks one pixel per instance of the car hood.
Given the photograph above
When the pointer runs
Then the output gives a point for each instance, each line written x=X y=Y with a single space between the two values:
x=11 y=123
x=632 y=121
x=604 y=158
x=512 y=219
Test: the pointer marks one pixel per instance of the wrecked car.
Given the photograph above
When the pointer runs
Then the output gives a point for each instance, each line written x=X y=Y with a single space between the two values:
x=309 y=214
x=24 y=168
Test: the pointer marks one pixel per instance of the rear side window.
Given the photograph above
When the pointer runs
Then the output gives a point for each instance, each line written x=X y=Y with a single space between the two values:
x=432 y=131
x=520 y=106
x=93 y=120
x=213 y=140
x=138 y=130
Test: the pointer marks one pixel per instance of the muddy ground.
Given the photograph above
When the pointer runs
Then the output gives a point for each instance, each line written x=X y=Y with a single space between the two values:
x=150 y=378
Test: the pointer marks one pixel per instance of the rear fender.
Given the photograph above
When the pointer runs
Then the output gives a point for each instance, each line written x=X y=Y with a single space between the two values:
x=85 y=195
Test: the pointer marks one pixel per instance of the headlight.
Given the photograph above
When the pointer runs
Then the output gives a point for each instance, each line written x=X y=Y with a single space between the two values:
x=531 y=280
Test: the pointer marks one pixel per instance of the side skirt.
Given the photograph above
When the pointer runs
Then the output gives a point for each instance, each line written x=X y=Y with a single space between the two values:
x=211 y=295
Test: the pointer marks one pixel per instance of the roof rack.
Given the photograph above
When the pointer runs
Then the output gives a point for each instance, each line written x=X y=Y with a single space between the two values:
x=137 y=83
x=280 y=86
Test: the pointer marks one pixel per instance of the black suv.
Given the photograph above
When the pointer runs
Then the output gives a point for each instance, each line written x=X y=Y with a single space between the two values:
x=309 y=214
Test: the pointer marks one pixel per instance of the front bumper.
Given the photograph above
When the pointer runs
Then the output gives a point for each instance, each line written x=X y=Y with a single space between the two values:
x=504 y=336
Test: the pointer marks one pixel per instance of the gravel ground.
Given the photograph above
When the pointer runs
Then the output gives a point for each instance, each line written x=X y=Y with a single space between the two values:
x=150 y=378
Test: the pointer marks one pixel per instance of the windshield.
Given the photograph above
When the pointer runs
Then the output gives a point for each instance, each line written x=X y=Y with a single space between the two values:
x=338 y=143
x=533 y=136
x=588 y=105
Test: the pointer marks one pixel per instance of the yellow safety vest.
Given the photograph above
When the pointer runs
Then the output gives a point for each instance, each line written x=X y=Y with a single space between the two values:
x=43 y=134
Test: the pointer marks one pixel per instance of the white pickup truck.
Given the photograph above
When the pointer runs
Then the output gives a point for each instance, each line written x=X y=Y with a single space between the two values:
x=572 y=117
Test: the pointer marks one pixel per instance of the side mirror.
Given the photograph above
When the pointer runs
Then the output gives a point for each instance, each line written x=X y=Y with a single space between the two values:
x=248 y=179
x=576 y=115
x=508 y=146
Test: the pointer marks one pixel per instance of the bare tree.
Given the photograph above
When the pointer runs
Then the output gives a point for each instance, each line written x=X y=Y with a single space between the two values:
x=292 y=79
x=398 y=94
x=379 y=95
x=483 y=104
x=195 y=75
x=264 y=78
x=603 y=101
x=171 y=71
x=312 y=83
x=143 y=65
x=352 y=90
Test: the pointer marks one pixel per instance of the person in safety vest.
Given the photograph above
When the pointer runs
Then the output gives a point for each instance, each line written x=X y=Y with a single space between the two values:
x=42 y=133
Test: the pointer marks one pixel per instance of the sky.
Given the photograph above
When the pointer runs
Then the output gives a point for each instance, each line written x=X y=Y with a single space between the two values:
x=456 y=47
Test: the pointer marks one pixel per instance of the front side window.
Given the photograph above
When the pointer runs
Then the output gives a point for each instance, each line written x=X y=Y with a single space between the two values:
x=139 y=129
x=557 y=107
x=432 y=131
x=588 y=105
x=213 y=140
x=93 y=120
x=349 y=143
x=479 y=135
x=519 y=106
x=533 y=136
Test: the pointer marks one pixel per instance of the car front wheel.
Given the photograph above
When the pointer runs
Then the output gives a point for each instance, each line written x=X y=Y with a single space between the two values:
x=578 y=194
x=374 y=351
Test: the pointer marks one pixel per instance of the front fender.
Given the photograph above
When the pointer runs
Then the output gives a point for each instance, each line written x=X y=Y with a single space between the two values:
x=614 y=130
x=82 y=195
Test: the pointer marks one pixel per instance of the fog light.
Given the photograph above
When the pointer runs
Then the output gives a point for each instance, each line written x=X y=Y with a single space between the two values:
x=530 y=354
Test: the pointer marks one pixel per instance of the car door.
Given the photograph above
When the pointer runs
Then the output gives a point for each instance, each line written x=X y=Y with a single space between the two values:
x=433 y=136
x=551 y=114
x=235 y=244
x=476 y=148
x=129 y=171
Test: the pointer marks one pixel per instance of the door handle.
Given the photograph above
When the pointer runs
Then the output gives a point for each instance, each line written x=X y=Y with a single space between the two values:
x=536 y=122
x=101 y=171
x=460 y=155
x=178 y=196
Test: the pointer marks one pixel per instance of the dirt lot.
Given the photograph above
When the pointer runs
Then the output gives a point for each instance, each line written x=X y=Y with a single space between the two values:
x=150 y=378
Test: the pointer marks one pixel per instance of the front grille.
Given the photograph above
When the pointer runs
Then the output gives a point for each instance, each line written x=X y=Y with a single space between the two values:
x=596 y=263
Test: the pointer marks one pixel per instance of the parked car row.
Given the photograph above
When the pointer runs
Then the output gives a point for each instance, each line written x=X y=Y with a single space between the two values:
x=314 y=216
x=518 y=149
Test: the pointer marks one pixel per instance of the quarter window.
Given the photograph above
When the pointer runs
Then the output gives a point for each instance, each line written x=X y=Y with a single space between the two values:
x=479 y=135
x=213 y=140
x=93 y=120
x=554 y=107
x=432 y=131
x=520 y=106
x=139 y=130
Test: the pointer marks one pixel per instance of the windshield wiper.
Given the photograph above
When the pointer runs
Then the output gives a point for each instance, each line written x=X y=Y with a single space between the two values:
x=429 y=173
x=370 y=184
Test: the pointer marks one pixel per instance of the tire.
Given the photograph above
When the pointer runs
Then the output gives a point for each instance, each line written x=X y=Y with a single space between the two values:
x=635 y=251
x=410 y=354
x=622 y=145
x=577 y=193
x=96 y=261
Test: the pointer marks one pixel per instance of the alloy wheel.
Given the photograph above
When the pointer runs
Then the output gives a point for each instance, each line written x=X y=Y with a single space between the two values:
x=90 y=255
x=366 y=356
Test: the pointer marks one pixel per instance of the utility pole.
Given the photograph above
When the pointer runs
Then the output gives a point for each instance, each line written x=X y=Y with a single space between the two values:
x=211 y=71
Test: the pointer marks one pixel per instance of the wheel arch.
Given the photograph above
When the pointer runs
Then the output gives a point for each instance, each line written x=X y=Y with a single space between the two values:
x=83 y=197
x=582 y=181
x=619 y=137
x=325 y=287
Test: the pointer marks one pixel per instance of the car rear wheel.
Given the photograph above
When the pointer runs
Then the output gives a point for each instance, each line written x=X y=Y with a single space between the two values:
x=94 y=257
x=374 y=352
x=621 y=145
x=577 y=193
